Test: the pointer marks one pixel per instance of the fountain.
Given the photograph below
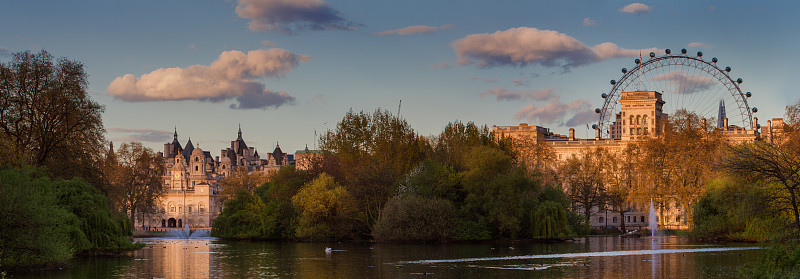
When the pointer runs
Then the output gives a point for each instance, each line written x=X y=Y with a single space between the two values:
x=653 y=219
x=186 y=233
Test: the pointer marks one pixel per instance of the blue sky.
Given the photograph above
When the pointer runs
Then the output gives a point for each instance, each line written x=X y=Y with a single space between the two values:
x=285 y=69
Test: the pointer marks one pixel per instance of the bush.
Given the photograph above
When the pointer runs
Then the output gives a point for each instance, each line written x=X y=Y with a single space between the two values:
x=45 y=221
x=781 y=260
x=549 y=221
x=414 y=218
x=241 y=218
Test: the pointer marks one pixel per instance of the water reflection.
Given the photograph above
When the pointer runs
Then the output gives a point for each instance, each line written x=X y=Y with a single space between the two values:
x=592 y=257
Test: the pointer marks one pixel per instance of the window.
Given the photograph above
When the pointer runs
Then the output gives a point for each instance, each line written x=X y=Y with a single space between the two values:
x=628 y=219
x=177 y=160
x=223 y=167
x=642 y=220
x=197 y=159
x=638 y=131
x=601 y=219
x=614 y=220
x=631 y=131
x=644 y=120
x=171 y=208
x=637 y=119
x=677 y=219
x=202 y=208
x=190 y=208
x=196 y=168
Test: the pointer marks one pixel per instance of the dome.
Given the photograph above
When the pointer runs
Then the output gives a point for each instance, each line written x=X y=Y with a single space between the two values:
x=225 y=160
x=197 y=152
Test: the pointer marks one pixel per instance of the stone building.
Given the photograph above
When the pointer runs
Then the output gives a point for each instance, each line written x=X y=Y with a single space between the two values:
x=191 y=180
x=641 y=116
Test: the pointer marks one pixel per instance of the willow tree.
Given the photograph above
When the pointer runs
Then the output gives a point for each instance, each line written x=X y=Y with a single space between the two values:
x=47 y=117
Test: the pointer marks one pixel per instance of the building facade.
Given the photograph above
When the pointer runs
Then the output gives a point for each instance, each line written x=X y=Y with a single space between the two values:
x=641 y=116
x=191 y=180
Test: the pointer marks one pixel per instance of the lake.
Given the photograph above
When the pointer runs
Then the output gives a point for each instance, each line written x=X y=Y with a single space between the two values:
x=587 y=257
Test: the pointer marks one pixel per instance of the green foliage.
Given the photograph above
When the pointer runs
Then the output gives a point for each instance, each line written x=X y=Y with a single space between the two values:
x=372 y=152
x=241 y=218
x=549 y=221
x=45 y=222
x=99 y=228
x=325 y=210
x=781 y=260
x=470 y=229
x=415 y=218
x=736 y=211
x=497 y=191
x=432 y=179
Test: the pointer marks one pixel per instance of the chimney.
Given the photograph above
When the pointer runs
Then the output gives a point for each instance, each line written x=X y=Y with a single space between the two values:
x=725 y=123
x=704 y=123
x=571 y=133
x=597 y=133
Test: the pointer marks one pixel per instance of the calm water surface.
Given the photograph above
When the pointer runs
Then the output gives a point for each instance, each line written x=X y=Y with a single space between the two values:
x=590 y=257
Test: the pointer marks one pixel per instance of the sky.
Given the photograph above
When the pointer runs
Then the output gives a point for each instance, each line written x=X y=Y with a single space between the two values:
x=288 y=70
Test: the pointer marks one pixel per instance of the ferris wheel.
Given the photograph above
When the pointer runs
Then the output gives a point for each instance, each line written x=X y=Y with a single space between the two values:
x=685 y=82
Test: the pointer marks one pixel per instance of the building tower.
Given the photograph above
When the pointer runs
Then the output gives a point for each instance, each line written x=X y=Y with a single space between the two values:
x=721 y=115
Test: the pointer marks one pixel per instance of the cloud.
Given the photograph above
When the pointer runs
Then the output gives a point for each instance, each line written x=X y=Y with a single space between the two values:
x=503 y=94
x=319 y=99
x=520 y=82
x=636 y=8
x=291 y=16
x=684 y=83
x=231 y=76
x=589 y=22
x=440 y=65
x=4 y=52
x=701 y=45
x=147 y=135
x=554 y=111
x=525 y=46
x=711 y=8
x=489 y=80
x=268 y=43
x=416 y=29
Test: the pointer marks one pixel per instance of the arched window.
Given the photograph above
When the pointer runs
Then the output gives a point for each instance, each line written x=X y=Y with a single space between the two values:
x=638 y=131
x=197 y=159
x=631 y=122
x=644 y=120
x=196 y=168
x=177 y=160
x=637 y=119
x=190 y=208
x=223 y=167
x=171 y=208
x=202 y=207
x=677 y=219
x=642 y=220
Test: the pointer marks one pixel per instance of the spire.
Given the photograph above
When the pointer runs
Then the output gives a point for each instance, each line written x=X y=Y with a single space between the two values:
x=240 y=131
x=721 y=115
x=175 y=136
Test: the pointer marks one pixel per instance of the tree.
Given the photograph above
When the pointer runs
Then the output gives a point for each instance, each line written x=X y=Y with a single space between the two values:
x=135 y=179
x=372 y=151
x=47 y=117
x=585 y=177
x=325 y=208
x=240 y=179
x=621 y=180
x=775 y=165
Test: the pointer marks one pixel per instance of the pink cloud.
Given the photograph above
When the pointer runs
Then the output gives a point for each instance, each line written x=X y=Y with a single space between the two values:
x=524 y=46
x=701 y=45
x=636 y=8
x=554 y=111
x=440 y=65
x=291 y=16
x=589 y=22
x=503 y=94
x=231 y=76
x=416 y=29
x=686 y=84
